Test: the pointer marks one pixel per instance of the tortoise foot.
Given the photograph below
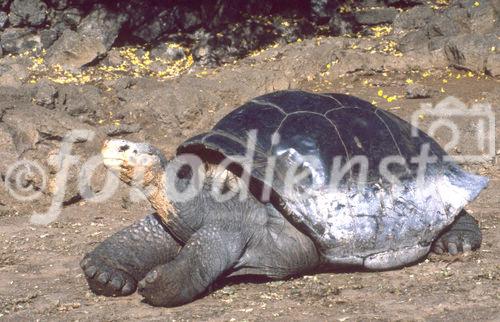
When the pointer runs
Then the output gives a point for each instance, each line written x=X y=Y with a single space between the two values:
x=104 y=279
x=462 y=236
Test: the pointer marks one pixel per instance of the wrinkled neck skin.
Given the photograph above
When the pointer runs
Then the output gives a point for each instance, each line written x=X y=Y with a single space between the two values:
x=153 y=185
x=183 y=218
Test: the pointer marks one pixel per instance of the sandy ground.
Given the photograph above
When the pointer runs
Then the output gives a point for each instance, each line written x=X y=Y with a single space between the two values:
x=40 y=278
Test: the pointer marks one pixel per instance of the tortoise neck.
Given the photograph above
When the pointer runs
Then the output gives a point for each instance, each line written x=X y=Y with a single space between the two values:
x=157 y=196
x=167 y=210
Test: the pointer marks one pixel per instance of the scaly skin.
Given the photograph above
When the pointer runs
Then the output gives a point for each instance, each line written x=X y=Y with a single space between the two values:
x=174 y=260
x=463 y=235
x=116 y=265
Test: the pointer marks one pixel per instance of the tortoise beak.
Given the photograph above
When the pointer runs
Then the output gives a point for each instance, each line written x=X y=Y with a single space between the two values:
x=112 y=156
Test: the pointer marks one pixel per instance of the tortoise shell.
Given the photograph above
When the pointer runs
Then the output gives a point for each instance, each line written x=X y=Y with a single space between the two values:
x=344 y=172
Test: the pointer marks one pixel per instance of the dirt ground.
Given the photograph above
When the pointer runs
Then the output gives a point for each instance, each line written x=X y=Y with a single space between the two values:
x=40 y=278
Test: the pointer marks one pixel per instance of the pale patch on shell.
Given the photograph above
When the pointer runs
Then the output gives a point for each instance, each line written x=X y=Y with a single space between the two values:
x=224 y=178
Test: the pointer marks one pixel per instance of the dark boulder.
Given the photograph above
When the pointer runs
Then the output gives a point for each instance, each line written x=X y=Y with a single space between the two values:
x=27 y=13
x=103 y=25
x=323 y=9
x=94 y=37
x=73 y=50
x=414 y=18
x=66 y=19
x=471 y=51
x=166 y=52
x=341 y=25
x=4 y=17
x=45 y=94
x=442 y=25
x=375 y=16
x=404 y=3
x=17 y=40
x=152 y=29
x=48 y=37
x=59 y=4
x=413 y=40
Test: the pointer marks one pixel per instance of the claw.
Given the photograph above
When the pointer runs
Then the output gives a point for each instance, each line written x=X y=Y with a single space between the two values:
x=84 y=263
x=151 y=277
x=103 y=278
x=128 y=288
x=438 y=250
x=90 y=271
x=452 y=248
x=142 y=285
x=117 y=283
x=466 y=246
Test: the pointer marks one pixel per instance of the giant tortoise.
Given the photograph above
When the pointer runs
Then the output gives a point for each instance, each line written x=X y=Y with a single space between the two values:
x=289 y=183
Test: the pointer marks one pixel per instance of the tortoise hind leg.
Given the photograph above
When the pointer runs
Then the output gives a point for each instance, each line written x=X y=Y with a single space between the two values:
x=462 y=235
x=115 y=265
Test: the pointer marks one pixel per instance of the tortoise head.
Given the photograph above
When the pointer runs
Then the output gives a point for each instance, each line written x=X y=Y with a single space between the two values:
x=134 y=163
x=142 y=165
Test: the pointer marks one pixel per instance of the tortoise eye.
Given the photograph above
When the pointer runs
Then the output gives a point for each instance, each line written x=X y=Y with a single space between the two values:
x=124 y=148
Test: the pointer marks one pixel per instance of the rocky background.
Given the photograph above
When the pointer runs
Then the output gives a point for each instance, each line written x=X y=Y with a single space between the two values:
x=76 y=33
x=169 y=70
x=166 y=71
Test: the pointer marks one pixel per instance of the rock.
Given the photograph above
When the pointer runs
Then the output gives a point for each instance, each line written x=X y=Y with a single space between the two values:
x=203 y=50
x=8 y=154
x=3 y=19
x=437 y=43
x=113 y=58
x=414 y=18
x=168 y=52
x=17 y=40
x=493 y=65
x=351 y=61
x=442 y=25
x=299 y=29
x=340 y=26
x=27 y=13
x=154 y=28
x=416 y=39
x=123 y=83
x=59 y=4
x=72 y=17
x=48 y=37
x=76 y=100
x=471 y=51
x=483 y=17
x=323 y=8
x=103 y=25
x=73 y=50
x=456 y=13
x=12 y=74
x=94 y=37
x=46 y=94
x=404 y=2
x=375 y=16
x=114 y=130
x=67 y=19
x=418 y=91
x=188 y=19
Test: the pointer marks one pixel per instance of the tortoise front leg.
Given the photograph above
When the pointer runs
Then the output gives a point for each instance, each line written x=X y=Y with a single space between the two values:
x=116 y=264
x=210 y=252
